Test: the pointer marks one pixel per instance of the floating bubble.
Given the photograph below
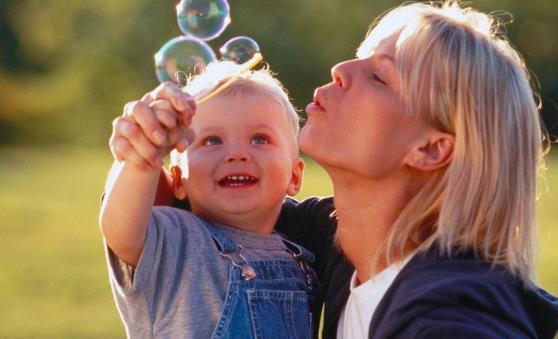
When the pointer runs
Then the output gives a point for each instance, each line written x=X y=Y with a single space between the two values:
x=239 y=49
x=182 y=54
x=203 y=19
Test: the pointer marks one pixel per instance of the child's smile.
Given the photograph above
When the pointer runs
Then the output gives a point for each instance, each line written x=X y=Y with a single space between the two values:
x=240 y=180
x=241 y=162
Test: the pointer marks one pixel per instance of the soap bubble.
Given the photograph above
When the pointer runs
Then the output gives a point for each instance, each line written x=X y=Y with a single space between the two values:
x=203 y=19
x=182 y=55
x=239 y=49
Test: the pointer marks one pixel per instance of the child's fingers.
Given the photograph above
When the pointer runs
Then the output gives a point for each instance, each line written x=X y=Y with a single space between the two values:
x=141 y=145
x=165 y=113
x=181 y=138
x=168 y=119
x=119 y=147
x=162 y=104
x=185 y=119
x=180 y=100
x=139 y=162
x=122 y=150
x=147 y=120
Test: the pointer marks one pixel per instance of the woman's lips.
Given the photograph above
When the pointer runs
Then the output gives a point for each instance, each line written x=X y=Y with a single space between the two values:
x=315 y=106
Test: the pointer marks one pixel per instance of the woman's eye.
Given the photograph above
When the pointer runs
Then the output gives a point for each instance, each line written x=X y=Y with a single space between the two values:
x=212 y=141
x=376 y=78
x=259 y=139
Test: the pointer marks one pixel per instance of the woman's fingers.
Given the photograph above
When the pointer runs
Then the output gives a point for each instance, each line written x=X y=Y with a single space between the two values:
x=140 y=145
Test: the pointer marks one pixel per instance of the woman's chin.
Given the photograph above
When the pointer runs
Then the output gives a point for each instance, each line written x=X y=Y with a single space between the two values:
x=306 y=141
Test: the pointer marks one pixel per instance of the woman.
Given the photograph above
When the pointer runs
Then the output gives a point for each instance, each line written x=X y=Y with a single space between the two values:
x=432 y=140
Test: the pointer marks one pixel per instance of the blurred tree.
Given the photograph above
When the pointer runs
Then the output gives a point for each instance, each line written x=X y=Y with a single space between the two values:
x=67 y=67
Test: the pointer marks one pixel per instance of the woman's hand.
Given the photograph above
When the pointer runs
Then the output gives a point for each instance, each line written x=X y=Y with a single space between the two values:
x=149 y=128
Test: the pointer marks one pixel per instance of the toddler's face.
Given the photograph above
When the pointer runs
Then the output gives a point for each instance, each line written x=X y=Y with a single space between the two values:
x=242 y=158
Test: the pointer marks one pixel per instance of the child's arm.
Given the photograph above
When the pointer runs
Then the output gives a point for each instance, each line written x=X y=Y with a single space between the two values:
x=126 y=209
x=131 y=186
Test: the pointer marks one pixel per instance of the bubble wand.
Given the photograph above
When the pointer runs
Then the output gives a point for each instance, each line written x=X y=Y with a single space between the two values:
x=176 y=171
x=248 y=65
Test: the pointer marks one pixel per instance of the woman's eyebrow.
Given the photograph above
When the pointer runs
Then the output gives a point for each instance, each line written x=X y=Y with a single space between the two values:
x=380 y=58
x=385 y=57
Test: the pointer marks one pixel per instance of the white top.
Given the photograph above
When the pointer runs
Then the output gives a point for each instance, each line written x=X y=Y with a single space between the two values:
x=355 y=318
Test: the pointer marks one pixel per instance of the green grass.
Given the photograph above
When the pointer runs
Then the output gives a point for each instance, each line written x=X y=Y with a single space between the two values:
x=53 y=280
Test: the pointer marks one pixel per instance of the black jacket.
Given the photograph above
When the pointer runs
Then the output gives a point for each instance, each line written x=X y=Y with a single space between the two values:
x=434 y=296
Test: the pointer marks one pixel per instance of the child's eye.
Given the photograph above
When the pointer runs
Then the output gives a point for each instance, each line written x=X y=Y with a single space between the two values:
x=259 y=139
x=212 y=141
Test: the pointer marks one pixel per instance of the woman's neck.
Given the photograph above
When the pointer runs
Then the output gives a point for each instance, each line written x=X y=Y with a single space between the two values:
x=366 y=211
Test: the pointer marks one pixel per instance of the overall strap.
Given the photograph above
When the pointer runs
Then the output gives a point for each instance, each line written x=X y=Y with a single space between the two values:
x=230 y=250
x=303 y=257
x=224 y=243
x=299 y=252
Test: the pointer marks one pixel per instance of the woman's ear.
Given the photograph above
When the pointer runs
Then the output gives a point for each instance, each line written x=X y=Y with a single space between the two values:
x=296 y=177
x=432 y=152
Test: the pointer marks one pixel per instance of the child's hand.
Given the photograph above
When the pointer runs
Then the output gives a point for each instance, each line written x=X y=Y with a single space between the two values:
x=178 y=135
x=149 y=128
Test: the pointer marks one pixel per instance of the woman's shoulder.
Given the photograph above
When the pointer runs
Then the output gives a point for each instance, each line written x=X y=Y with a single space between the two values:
x=462 y=294
x=310 y=218
x=309 y=205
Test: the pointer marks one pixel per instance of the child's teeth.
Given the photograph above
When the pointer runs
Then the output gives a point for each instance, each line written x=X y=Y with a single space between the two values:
x=240 y=177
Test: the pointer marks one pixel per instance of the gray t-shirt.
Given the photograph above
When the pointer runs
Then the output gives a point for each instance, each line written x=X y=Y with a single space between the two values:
x=179 y=286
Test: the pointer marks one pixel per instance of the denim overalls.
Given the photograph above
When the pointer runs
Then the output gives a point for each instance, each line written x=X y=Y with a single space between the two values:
x=266 y=298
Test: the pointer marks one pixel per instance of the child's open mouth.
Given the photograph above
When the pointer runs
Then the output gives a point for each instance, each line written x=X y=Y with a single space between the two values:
x=237 y=181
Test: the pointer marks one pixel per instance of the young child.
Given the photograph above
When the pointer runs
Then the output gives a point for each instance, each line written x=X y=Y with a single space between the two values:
x=219 y=271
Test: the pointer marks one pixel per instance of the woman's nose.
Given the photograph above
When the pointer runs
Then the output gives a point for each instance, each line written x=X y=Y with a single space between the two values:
x=341 y=74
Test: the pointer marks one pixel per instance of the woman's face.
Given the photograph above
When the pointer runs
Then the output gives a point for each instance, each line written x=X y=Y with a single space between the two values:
x=358 y=122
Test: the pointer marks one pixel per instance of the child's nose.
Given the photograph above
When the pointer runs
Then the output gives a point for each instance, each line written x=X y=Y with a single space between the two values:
x=237 y=153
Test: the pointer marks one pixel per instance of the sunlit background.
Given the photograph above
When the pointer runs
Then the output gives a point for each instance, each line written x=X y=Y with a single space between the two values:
x=67 y=68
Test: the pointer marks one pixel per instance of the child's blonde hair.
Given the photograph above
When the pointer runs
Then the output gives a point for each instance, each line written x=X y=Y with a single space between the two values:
x=459 y=71
x=260 y=81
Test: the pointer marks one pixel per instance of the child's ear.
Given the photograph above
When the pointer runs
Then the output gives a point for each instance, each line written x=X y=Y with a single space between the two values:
x=179 y=190
x=178 y=183
x=296 y=177
x=432 y=152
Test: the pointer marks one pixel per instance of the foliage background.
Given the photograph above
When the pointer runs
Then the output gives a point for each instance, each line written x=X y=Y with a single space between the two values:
x=67 y=68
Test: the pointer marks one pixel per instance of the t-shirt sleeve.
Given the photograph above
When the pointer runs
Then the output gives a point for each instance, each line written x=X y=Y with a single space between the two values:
x=137 y=292
x=161 y=251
